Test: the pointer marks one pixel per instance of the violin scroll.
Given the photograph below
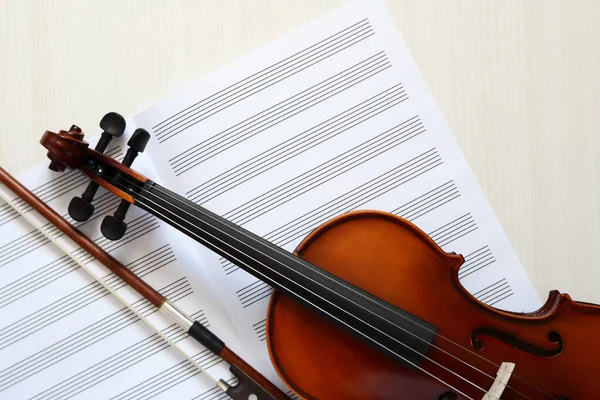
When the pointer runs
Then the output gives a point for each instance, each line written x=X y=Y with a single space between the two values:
x=66 y=149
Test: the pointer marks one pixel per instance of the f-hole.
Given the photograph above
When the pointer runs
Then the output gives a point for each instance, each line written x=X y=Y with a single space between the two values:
x=516 y=343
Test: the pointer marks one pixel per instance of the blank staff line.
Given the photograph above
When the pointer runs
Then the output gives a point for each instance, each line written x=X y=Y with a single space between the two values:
x=454 y=230
x=356 y=197
x=476 y=261
x=485 y=289
x=494 y=293
x=263 y=118
x=215 y=393
x=73 y=344
x=35 y=239
x=52 y=189
x=410 y=126
x=493 y=289
x=255 y=75
x=52 y=312
x=20 y=245
x=428 y=201
x=296 y=148
x=199 y=116
x=242 y=291
x=112 y=365
x=298 y=144
x=329 y=83
x=501 y=291
x=169 y=377
x=326 y=123
x=253 y=293
x=64 y=265
x=136 y=351
x=325 y=172
x=457 y=235
x=352 y=199
x=266 y=119
x=261 y=329
x=199 y=111
x=500 y=298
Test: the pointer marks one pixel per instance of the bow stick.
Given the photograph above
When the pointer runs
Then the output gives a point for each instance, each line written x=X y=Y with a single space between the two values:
x=251 y=384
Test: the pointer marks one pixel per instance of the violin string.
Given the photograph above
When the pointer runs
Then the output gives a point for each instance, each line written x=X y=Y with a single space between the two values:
x=56 y=242
x=293 y=258
x=126 y=189
x=339 y=320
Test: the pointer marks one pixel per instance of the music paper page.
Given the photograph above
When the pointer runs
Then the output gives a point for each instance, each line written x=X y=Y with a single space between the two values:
x=335 y=117
x=64 y=336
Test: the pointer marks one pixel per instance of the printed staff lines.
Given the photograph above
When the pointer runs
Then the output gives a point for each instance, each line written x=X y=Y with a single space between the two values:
x=278 y=113
x=35 y=239
x=51 y=190
x=113 y=364
x=298 y=144
x=355 y=198
x=494 y=293
x=65 y=306
x=476 y=261
x=64 y=265
x=171 y=377
x=454 y=230
x=261 y=80
x=428 y=202
x=86 y=337
x=326 y=171
x=260 y=328
x=215 y=393
x=253 y=293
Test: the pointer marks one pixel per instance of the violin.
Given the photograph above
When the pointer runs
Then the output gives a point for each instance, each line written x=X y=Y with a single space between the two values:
x=369 y=307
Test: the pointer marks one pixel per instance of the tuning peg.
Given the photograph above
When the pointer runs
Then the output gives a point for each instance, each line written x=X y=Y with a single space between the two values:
x=114 y=226
x=81 y=208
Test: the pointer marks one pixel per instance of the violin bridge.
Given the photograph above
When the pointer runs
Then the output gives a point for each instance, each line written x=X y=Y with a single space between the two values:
x=500 y=382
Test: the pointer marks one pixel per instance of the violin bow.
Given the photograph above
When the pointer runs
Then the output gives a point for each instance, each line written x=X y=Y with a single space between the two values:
x=251 y=384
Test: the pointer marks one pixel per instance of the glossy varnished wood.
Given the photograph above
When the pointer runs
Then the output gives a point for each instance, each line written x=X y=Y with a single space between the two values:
x=394 y=260
x=67 y=149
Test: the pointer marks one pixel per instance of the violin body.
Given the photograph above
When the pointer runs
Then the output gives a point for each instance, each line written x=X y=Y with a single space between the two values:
x=555 y=348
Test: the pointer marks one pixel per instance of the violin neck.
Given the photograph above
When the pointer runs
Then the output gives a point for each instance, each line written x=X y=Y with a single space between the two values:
x=364 y=315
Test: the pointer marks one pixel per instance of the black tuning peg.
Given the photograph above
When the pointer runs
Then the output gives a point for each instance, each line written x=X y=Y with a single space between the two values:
x=114 y=226
x=81 y=208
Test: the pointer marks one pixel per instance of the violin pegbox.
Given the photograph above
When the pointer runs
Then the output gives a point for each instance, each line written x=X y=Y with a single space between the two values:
x=81 y=208
x=114 y=226
x=67 y=149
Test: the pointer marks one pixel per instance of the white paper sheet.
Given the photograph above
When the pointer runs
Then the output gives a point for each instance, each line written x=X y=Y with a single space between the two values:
x=333 y=118
x=62 y=335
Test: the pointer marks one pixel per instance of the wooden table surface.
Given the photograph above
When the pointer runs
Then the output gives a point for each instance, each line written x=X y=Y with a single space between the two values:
x=518 y=82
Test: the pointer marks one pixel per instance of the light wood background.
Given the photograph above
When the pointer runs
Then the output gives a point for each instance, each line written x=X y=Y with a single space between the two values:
x=518 y=82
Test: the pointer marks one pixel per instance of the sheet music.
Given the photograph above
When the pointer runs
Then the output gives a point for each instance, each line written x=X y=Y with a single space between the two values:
x=63 y=335
x=335 y=117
